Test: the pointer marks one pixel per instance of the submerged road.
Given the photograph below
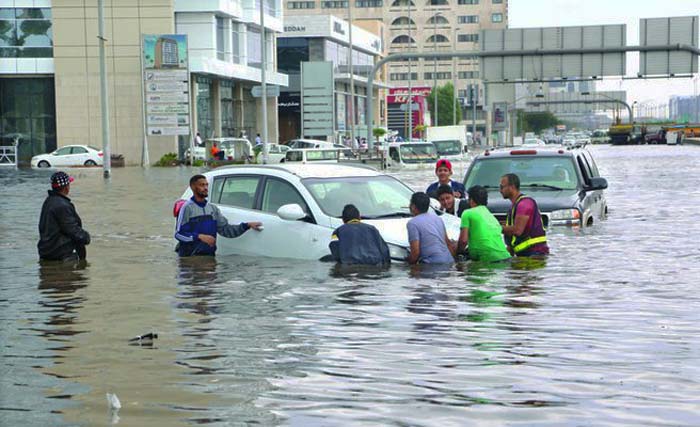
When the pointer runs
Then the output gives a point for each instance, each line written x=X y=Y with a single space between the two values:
x=604 y=333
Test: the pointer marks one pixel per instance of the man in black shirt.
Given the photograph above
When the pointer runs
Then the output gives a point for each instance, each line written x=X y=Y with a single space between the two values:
x=355 y=242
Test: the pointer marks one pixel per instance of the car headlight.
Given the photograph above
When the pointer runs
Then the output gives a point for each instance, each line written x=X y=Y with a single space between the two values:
x=397 y=252
x=565 y=215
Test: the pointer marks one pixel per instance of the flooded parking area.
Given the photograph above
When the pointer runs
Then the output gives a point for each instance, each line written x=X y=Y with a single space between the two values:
x=604 y=332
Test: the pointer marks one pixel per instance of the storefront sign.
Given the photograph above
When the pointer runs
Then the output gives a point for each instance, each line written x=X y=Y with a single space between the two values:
x=166 y=82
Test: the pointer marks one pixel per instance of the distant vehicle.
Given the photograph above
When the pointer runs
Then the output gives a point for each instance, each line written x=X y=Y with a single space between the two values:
x=658 y=137
x=600 y=136
x=276 y=153
x=308 y=143
x=565 y=183
x=300 y=205
x=70 y=155
x=674 y=137
x=239 y=149
x=533 y=142
x=312 y=155
x=450 y=141
x=625 y=134
x=411 y=155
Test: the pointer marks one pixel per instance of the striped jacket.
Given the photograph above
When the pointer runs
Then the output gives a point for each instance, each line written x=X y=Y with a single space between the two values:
x=202 y=218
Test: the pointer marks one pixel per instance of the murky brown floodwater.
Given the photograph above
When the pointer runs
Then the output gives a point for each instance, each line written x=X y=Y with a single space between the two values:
x=604 y=334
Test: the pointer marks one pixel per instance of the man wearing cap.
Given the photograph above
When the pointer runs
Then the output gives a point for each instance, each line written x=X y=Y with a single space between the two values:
x=443 y=170
x=61 y=234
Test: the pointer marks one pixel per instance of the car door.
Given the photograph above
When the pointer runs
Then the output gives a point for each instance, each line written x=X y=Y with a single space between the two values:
x=599 y=201
x=61 y=157
x=79 y=155
x=302 y=239
x=235 y=195
x=590 y=201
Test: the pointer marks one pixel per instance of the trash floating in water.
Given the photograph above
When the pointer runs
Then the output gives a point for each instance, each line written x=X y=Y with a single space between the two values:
x=113 y=401
x=145 y=339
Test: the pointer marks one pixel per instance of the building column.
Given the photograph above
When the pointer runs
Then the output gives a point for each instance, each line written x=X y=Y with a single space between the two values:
x=216 y=106
x=238 y=107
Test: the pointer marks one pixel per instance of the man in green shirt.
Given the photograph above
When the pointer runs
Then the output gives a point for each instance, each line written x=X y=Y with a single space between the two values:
x=481 y=230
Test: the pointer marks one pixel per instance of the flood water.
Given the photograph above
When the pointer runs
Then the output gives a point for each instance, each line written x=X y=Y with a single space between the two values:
x=606 y=333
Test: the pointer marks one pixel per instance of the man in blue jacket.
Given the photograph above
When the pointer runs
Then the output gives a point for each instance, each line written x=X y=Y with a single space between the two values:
x=355 y=242
x=198 y=222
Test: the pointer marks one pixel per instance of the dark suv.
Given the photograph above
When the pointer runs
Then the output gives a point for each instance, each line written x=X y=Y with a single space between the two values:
x=565 y=183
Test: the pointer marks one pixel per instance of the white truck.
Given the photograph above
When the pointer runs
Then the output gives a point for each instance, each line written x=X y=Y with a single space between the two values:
x=450 y=141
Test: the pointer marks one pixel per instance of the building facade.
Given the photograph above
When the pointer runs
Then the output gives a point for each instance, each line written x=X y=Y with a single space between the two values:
x=685 y=108
x=423 y=26
x=56 y=55
x=325 y=38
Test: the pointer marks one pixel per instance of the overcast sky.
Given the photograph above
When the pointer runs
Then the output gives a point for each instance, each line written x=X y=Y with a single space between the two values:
x=553 y=13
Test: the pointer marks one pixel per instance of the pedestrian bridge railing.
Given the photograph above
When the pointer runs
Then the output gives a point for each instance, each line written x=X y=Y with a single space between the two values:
x=8 y=155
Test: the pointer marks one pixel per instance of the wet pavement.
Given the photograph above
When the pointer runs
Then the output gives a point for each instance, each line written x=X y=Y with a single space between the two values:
x=603 y=333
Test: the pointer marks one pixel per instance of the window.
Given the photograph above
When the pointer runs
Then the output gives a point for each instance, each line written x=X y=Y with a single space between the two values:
x=403 y=39
x=279 y=193
x=26 y=33
x=403 y=20
x=497 y=1
x=437 y=19
x=437 y=38
x=254 y=54
x=496 y=17
x=301 y=5
x=63 y=151
x=235 y=43
x=291 y=52
x=402 y=3
x=205 y=120
x=369 y=3
x=468 y=1
x=334 y=4
x=441 y=75
x=468 y=38
x=436 y=3
x=402 y=76
x=78 y=150
x=468 y=75
x=228 y=124
x=220 y=38
x=468 y=19
x=238 y=191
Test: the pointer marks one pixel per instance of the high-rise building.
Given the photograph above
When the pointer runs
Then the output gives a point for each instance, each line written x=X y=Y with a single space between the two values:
x=422 y=25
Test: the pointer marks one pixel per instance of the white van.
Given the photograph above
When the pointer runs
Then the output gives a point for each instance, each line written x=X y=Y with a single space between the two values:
x=411 y=155
x=450 y=141
x=312 y=155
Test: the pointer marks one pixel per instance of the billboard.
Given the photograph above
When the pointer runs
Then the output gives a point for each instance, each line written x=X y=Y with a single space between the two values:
x=166 y=84
x=668 y=31
x=538 y=66
x=317 y=100
x=500 y=116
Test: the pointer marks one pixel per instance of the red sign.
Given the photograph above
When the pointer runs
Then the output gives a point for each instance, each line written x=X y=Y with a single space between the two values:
x=399 y=95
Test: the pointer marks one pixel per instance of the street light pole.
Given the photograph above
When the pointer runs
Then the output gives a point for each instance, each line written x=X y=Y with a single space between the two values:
x=435 y=91
x=410 y=97
x=263 y=83
x=352 y=78
x=454 y=82
x=106 y=150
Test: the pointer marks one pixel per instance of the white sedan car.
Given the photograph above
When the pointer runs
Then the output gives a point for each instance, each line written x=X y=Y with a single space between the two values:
x=300 y=206
x=70 y=155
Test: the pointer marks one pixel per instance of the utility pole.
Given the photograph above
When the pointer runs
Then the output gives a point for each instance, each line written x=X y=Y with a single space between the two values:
x=263 y=83
x=106 y=151
x=410 y=77
x=475 y=96
x=454 y=82
x=352 y=78
x=435 y=89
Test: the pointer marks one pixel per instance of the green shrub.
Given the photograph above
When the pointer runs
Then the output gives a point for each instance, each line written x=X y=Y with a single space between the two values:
x=168 y=159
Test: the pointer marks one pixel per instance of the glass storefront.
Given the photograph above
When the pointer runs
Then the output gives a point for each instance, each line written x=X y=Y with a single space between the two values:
x=228 y=123
x=28 y=115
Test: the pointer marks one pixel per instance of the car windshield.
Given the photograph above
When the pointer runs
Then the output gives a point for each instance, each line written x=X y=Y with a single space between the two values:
x=447 y=148
x=376 y=196
x=318 y=155
x=535 y=171
x=418 y=153
x=94 y=148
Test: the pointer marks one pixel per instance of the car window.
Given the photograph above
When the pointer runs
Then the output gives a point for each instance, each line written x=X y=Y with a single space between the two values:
x=78 y=150
x=278 y=193
x=294 y=156
x=584 y=170
x=592 y=165
x=394 y=153
x=239 y=191
x=63 y=151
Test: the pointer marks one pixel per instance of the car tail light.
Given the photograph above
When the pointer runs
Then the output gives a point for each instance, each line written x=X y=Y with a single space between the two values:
x=177 y=206
x=520 y=152
x=487 y=153
x=100 y=154
x=560 y=151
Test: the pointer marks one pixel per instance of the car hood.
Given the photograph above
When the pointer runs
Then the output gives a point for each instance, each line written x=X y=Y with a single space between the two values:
x=547 y=200
x=393 y=230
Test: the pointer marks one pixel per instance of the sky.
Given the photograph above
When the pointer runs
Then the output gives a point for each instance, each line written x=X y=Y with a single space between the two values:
x=554 y=13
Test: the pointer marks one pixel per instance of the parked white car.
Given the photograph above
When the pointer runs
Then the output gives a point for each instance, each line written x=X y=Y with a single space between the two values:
x=70 y=155
x=301 y=204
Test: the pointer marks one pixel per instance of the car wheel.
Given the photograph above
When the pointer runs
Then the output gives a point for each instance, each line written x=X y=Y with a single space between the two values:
x=90 y=163
x=44 y=164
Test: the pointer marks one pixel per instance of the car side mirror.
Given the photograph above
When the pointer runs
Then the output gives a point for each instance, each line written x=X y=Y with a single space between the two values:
x=598 y=183
x=291 y=212
x=435 y=204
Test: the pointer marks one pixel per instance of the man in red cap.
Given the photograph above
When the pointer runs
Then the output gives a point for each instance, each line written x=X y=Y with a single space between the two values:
x=443 y=170
x=62 y=237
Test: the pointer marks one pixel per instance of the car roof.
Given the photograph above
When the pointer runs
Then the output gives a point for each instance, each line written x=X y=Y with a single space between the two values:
x=320 y=170
x=529 y=152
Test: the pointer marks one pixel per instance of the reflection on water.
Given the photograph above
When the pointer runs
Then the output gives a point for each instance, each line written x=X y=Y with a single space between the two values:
x=600 y=333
